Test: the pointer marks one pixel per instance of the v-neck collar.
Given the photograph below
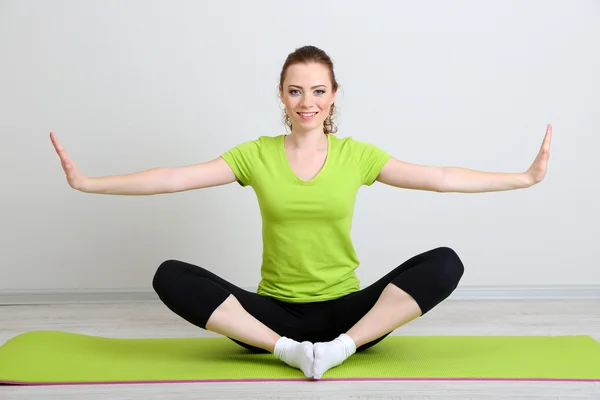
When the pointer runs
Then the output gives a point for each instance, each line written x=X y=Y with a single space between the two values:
x=288 y=167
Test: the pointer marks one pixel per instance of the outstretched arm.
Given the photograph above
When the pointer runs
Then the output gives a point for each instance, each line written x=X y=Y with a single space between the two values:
x=148 y=182
x=462 y=180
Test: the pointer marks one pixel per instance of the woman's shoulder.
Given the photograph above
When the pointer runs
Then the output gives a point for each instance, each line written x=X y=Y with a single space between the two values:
x=349 y=142
x=259 y=141
x=263 y=140
x=259 y=146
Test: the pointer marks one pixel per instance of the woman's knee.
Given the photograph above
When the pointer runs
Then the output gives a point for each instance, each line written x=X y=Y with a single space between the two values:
x=449 y=267
x=435 y=279
x=165 y=276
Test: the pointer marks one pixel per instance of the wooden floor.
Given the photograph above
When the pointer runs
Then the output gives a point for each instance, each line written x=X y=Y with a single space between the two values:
x=450 y=318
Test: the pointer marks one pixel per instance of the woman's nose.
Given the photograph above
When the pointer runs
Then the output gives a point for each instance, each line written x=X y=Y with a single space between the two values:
x=307 y=101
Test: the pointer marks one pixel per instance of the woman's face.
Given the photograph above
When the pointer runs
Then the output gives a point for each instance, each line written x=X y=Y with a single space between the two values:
x=307 y=95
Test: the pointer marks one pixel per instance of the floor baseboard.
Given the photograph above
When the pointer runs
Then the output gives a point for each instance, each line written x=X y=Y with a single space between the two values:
x=464 y=293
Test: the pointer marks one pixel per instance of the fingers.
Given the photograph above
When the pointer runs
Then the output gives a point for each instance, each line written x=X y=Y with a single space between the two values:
x=55 y=143
x=53 y=139
x=547 y=139
x=64 y=159
x=59 y=149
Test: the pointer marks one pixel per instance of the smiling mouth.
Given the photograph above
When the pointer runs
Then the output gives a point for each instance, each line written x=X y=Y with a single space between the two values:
x=307 y=115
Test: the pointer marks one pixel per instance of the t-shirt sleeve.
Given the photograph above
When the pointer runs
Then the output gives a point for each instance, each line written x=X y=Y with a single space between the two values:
x=242 y=159
x=370 y=160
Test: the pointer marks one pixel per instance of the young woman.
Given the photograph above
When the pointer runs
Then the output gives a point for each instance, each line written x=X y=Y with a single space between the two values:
x=308 y=310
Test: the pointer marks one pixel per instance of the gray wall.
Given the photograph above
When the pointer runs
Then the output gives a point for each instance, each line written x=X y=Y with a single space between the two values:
x=130 y=85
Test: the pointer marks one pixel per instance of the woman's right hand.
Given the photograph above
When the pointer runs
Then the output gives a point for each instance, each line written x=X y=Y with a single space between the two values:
x=76 y=179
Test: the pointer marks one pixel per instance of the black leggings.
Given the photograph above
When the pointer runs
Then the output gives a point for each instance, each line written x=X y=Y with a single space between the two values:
x=194 y=293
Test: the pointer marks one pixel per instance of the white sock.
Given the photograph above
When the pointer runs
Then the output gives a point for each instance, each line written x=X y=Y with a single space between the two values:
x=331 y=354
x=295 y=354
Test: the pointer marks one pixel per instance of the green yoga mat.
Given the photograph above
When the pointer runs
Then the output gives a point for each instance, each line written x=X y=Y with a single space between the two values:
x=52 y=357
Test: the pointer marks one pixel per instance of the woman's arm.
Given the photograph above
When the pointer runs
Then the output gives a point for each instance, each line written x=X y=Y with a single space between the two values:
x=462 y=180
x=162 y=180
x=148 y=182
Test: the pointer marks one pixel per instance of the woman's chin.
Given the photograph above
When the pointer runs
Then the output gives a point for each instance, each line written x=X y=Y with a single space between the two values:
x=310 y=122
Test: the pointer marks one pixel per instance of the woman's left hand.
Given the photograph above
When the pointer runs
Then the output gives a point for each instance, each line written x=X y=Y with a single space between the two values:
x=537 y=171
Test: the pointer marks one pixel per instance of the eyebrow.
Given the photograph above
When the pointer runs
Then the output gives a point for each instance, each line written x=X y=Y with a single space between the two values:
x=314 y=87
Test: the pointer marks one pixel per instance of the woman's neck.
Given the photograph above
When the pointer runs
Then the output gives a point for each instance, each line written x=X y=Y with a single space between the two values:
x=311 y=140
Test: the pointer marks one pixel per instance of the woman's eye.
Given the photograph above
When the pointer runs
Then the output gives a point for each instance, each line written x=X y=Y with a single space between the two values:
x=294 y=91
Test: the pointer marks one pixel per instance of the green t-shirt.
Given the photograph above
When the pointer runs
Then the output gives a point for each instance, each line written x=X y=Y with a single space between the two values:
x=308 y=254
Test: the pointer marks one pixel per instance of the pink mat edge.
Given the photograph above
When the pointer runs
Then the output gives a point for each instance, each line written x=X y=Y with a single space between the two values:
x=299 y=380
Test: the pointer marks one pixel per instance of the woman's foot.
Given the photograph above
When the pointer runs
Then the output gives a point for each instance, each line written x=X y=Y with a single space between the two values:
x=331 y=354
x=296 y=354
